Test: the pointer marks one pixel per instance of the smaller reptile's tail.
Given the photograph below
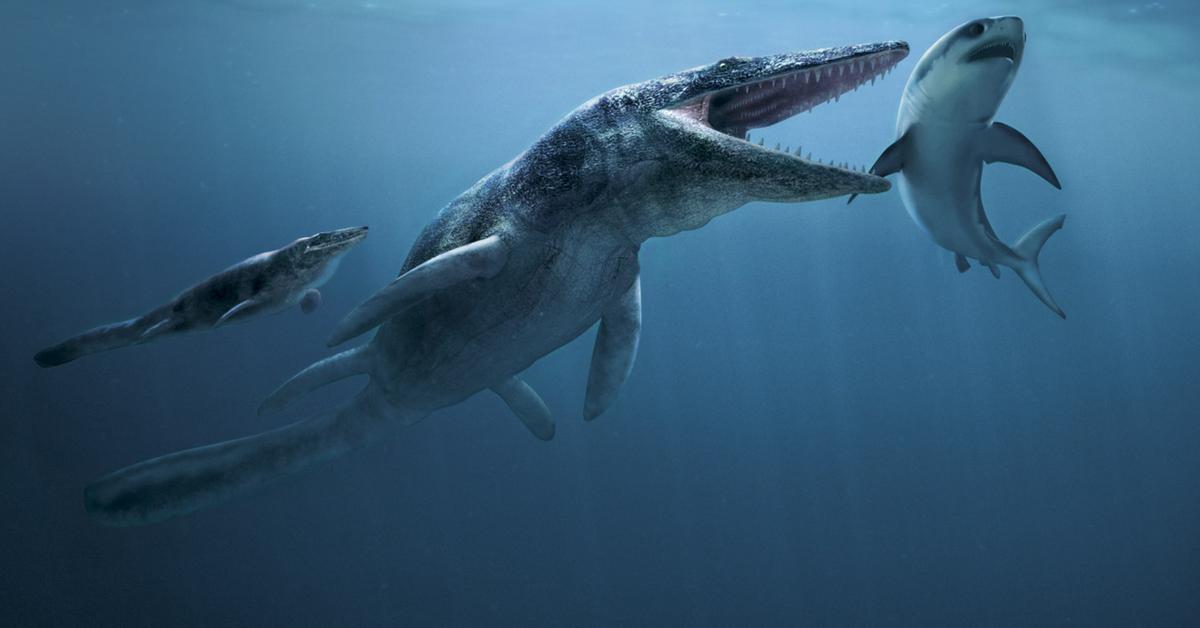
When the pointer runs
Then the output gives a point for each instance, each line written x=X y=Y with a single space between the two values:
x=103 y=338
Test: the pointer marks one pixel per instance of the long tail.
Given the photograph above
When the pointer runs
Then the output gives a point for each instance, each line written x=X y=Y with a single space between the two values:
x=1026 y=265
x=186 y=481
x=102 y=338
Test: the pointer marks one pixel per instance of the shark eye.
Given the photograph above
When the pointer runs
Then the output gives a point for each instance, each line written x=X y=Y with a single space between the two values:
x=976 y=29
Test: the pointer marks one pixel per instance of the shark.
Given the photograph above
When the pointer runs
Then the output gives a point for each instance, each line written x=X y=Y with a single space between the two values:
x=946 y=133
x=527 y=259
x=263 y=284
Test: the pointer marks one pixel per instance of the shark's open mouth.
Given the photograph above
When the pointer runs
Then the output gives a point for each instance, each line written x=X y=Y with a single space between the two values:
x=766 y=101
x=996 y=50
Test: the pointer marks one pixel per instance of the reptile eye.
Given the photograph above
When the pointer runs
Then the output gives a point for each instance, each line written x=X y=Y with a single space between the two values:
x=975 y=30
x=724 y=65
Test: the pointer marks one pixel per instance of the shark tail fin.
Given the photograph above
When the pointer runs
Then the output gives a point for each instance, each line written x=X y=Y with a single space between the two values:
x=103 y=338
x=1026 y=266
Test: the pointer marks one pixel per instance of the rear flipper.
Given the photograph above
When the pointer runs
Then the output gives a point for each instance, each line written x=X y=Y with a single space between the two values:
x=1028 y=250
x=103 y=338
x=186 y=481
x=356 y=361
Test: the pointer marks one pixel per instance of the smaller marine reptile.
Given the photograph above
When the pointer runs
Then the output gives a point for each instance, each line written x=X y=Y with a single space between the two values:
x=266 y=283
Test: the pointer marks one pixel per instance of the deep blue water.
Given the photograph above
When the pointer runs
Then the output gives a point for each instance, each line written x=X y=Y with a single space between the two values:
x=827 y=425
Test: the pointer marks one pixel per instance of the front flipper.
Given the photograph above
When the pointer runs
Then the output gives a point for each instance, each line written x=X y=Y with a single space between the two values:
x=161 y=327
x=1006 y=144
x=310 y=301
x=961 y=263
x=614 y=352
x=242 y=311
x=477 y=260
x=524 y=401
x=890 y=161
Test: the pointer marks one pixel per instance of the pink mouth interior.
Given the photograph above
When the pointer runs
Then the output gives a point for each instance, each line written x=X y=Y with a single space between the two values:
x=736 y=110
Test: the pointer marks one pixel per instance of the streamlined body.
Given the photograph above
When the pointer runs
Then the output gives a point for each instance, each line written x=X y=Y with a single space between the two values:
x=266 y=283
x=529 y=258
x=946 y=133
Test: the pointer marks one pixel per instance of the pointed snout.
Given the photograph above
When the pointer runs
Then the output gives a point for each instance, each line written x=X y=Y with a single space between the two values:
x=1010 y=25
x=349 y=234
x=337 y=241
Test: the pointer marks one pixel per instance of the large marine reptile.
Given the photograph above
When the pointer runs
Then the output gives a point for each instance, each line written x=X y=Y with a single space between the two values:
x=529 y=258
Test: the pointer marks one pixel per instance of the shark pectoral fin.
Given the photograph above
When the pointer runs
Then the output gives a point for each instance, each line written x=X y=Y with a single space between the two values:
x=310 y=301
x=478 y=260
x=356 y=361
x=961 y=263
x=524 y=401
x=1006 y=144
x=614 y=352
x=240 y=312
x=890 y=161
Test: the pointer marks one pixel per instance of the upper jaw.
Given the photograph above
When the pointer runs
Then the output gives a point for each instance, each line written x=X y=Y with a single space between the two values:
x=337 y=241
x=779 y=88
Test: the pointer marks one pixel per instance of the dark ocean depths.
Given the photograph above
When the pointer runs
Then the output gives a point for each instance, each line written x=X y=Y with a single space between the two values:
x=827 y=425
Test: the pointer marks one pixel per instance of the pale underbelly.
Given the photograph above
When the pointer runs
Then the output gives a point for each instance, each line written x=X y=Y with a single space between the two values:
x=447 y=349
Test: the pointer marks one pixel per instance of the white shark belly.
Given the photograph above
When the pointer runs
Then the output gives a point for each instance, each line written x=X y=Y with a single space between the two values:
x=940 y=188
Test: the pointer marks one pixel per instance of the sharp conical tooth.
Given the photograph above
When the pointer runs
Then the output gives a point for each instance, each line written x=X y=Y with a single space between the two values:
x=783 y=82
x=760 y=141
x=841 y=70
x=788 y=149
x=776 y=145
x=837 y=97
x=872 y=80
x=818 y=76
x=807 y=77
x=798 y=150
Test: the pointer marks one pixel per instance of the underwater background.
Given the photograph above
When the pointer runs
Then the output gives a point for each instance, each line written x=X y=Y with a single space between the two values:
x=827 y=425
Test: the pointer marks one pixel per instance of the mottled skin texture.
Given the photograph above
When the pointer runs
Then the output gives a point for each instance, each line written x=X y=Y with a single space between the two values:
x=571 y=212
x=268 y=282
